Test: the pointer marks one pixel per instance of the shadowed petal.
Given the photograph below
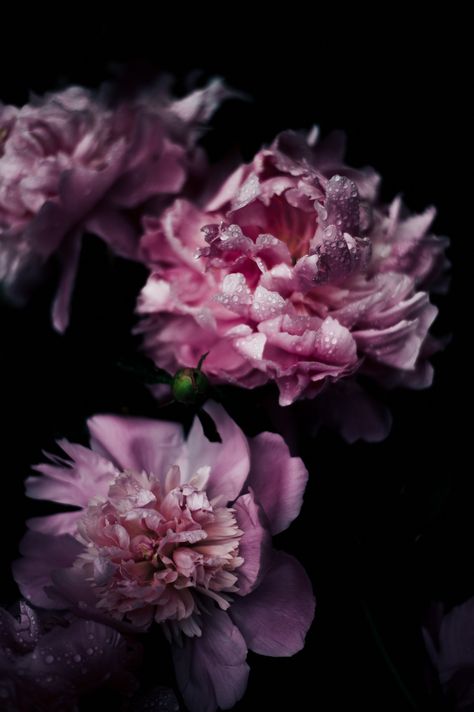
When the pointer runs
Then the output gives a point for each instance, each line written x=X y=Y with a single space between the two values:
x=255 y=544
x=42 y=554
x=276 y=616
x=211 y=670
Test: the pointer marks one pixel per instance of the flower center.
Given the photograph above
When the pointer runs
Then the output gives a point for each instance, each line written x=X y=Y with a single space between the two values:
x=291 y=225
x=156 y=548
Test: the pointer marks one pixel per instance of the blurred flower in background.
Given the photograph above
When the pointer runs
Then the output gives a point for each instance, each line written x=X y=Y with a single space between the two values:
x=77 y=160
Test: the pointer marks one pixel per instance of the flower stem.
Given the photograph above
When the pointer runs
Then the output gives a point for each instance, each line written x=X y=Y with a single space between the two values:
x=388 y=661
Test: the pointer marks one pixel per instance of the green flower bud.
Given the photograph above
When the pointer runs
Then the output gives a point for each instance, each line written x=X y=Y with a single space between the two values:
x=190 y=386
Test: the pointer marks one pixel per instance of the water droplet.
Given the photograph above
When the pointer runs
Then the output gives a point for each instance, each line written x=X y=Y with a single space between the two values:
x=49 y=659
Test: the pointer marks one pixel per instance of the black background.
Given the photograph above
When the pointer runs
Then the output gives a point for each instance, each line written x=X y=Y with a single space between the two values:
x=387 y=527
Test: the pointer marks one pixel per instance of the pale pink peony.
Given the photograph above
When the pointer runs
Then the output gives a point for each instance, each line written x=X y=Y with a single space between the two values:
x=305 y=278
x=175 y=532
x=77 y=161
x=47 y=662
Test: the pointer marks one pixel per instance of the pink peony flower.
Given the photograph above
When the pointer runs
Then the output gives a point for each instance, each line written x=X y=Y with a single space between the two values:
x=74 y=161
x=305 y=277
x=48 y=662
x=175 y=532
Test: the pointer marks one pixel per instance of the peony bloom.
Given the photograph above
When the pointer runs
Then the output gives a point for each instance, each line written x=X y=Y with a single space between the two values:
x=75 y=161
x=178 y=533
x=294 y=273
x=48 y=662
x=449 y=639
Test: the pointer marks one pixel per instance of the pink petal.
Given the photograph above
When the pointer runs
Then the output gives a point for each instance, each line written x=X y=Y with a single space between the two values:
x=254 y=545
x=276 y=616
x=137 y=443
x=200 y=105
x=75 y=482
x=69 y=256
x=57 y=524
x=277 y=479
x=229 y=461
x=211 y=670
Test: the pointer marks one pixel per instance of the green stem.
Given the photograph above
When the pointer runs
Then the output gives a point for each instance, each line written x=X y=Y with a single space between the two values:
x=383 y=650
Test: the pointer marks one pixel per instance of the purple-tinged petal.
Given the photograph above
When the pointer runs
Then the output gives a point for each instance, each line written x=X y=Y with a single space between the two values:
x=199 y=106
x=276 y=616
x=116 y=229
x=69 y=257
x=69 y=585
x=162 y=174
x=342 y=205
x=449 y=639
x=229 y=461
x=211 y=670
x=351 y=411
x=42 y=554
x=49 y=661
x=254 y=545
x=277 y=479
x=137 y=443
x=97 y=656
x=56 y=524
x=86 y=475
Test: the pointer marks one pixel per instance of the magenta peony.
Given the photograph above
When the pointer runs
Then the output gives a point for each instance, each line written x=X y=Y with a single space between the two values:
x=76 y=161
x=293 y=272
x=48 y=662
x=178 y=533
